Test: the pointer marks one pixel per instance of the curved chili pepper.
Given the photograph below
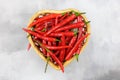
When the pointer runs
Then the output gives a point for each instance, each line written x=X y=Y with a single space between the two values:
x=71 y=26
x=75 y=47
x=56 y=21
x=57 y=60
x=58 y=34
x=39 y=28
x=29 y=46
x=62 y=53
x=53 y=57
x=65 y=21
x=41 y=33
x=56 y=47
x=54 y=43
x=50 y=16
x=64 y=16
x=44 y=51
x=80 y=18
x=40 y=36
x=71 y=43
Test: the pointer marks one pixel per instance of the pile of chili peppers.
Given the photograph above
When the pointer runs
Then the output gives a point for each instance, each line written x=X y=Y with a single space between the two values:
x=59 y=37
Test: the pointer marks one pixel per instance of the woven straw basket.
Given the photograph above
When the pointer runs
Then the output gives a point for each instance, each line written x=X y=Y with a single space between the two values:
x=56 y=11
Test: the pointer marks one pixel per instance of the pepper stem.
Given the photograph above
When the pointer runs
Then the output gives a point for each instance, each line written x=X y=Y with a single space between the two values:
x=83 y=13
x=77 y=56
x=43 y=30
x=33 y=28
x=75 y=33
x=28 y=36
x=63 y=13
x=87 y=22
x=57 y=40
x=48 y=59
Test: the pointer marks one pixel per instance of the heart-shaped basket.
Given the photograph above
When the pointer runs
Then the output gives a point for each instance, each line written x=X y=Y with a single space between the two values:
x=56 y=11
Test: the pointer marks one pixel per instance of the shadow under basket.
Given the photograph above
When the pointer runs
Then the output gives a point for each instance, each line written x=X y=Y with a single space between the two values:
x=41 y=12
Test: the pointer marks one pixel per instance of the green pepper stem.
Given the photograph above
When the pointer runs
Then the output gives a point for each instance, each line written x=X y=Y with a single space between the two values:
x=77 y=56
x=75 y=33
x=43 y=30
x=57 y=40
x=33 y=28
x=48 y=59
x=87 y=22
x=28 y=36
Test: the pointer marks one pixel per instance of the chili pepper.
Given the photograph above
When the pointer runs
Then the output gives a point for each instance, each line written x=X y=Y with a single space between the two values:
x=80 y=18
x=63 y=33
x=56 y=20
x=57 y=60
x=48 y=57
x=56 y=47
x=54 y=43
x=39 y=28
x=40 y=36
x=57 y=52
x=39 y=24
x=65 y=21
x=41 y=33
x=44 y=51
x=49 y=43
x=54 y=57
x=67 y=40
x=64 y=15
x=70 y=54
x=75 y=25
x=78 y=52
x=79 y=33
x=50 y=16
x=71 y=43
x=62 y=53
x=29 y=46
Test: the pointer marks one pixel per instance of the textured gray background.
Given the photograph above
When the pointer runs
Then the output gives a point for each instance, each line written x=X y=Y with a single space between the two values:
x=99 y=61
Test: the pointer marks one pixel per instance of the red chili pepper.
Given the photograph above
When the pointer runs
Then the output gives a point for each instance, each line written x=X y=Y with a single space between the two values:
x=57 y=60
x=41 y=33
x=49 y=43
x=75 y=25
x=58 y=34
x=71 y=43
x=40 y=36
x=54 y=43
x=75 y=47
x=56 y=47
x=68 y=38
x=44 y=51
x=53 y=57
x=65 y=15
x=62 y=53
x=65 y=21
x=80 y=18
x=39 y=28
x=57 y=52
x=50 y=16
x=56 y=21
x=29 y=46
